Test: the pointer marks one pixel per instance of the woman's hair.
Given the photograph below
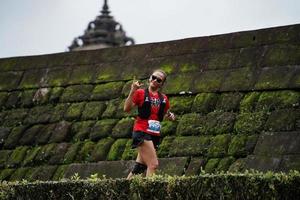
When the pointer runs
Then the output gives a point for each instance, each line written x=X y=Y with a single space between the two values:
x=163 y=72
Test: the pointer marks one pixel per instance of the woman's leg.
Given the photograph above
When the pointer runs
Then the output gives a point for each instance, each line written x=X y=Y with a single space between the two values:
x=138 y=160
x=147 y=154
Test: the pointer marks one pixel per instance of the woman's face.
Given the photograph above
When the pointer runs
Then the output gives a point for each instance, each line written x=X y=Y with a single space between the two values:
x=157 y=79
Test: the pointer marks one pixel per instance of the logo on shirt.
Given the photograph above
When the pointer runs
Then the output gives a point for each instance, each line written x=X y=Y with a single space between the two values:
x=155 y=102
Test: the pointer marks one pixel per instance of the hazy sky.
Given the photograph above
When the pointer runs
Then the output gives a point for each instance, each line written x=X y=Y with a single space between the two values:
x=32 y=27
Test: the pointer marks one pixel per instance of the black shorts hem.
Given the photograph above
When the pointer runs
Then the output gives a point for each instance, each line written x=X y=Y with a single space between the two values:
x=138 y=138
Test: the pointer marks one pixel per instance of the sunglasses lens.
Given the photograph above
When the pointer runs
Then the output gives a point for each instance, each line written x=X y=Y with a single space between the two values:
x=156 y=78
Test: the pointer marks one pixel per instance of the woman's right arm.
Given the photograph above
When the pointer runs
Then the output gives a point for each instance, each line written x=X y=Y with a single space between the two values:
x=128 y=105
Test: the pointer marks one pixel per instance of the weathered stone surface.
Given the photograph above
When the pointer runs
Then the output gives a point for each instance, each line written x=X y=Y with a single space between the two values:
x=190 y=124
x=58 y=112
x=42 y=173
x=112 y=108
x=211 y=165
x=85 y=152
x=4 y=155
x=290 y=162
x=117 y=149
x=5 y=174
x=221 y=60
x=4 y=132
x=102 y=129
x=15 y=117
x=237 y=146
x=205 y=102
x=229 y=101
x=29 y=136
x=210 y=81
x=225 y=163
x=33 y=78
x=3 y=98
x=249 y=102
x=218 y=122
x=72 y=152
x=282 y=120
x=17 y=156
x=59 y=173
x=57 y=76
x=58 y=153
x=181 y=105
x=129 y=153
x=123 y=128
x=93 y=110
x=278 y=100
x=55 y=95
x=274 y=78
x=218 y=146
x=82 y=74
x=45 y=153
x=74 y=111
x=276 y=144
x=18 y=174
x=101 y=149
x=165 y=146
x=172 y=166
x=81 y=130
x=76 y=93
x=26 y=99
x=39 y=114
x=180 y=84
x=250 y=122
x=44 y=133
x=13 y=139
x=107 y=91
x=262 y=163
x=9 y=80
x=195 y=166
x=13 y=99
x=61 y=132
x=191 y=145
x=239 y=79
x=168 y=128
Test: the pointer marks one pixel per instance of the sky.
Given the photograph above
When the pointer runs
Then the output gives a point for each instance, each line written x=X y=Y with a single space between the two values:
x=34 y=27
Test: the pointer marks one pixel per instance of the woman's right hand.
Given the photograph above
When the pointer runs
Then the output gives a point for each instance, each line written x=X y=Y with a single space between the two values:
x=136 y=85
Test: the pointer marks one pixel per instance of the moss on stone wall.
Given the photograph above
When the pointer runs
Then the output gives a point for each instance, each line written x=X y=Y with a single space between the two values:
x=117 y=149
x=205 y=102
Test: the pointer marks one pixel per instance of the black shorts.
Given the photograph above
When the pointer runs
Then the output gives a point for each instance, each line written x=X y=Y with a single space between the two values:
x=138 y=138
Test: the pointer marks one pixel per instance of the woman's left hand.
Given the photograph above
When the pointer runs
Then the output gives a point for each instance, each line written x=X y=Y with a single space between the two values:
x=170 y=116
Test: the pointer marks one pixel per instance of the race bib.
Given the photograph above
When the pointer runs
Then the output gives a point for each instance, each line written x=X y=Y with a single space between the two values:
x=154 y=126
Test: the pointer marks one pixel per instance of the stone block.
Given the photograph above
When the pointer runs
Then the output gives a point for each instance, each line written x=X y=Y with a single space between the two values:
x=59 y=173
x=248 y=103
x=238 y=166
x=10 y=80
x=218 y=122
x=59 y=111
x=275 y=144
x=218 y=146
x=275 y=100
x=82 y=75
x=93 y=110
x=107 y=91
x=211 y=165
x=210 y=81
x=59 y=153
x=102 y=129
x=76 y=93
x=29 y=136
x=74 y=111
x=290 y=162
x=205 y=102
x=101 y=149
x=13 y=99
x=13 y=139
x=221 y=60
x=26 y=99
x=111 y=169
x=123 y=128
x=165 y=147
x=4 y=156
x=274 y=78
x=15 y=117
x=229 y=101
x=181 y=105
x=19 y=174
x=172 y=166
x=39 y=114
x=240 y=79
x=250 y=123
x=190 y=146
x=4 y=132
x=183 y=84
x=112 y=108
x=30 y=156
x=17 y=157
x=225 y=163
x=5 y=174
x=44 y=133
x=55 y=95
x=249 y=57
x=61 y=133
x=168 y=128
x=263 y=163
x=129 y=153
x=237 y=146
x=119 y=112
x=72 y=152
x=107 y=72
x=42 y=173
x=45 y=153
x=117 y=149
x=281 y=55
x=195 y=166
x=3 y=98
x=85 y=153
x=58 y=76
x=295 y=81
x=190 y=124
x=282 y=120
x=33 y=78
x=81 y=130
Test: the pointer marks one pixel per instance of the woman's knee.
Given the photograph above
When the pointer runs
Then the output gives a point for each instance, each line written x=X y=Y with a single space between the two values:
x=153 y=165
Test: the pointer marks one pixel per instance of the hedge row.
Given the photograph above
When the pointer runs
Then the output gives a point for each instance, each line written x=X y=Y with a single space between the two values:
x=250 y=185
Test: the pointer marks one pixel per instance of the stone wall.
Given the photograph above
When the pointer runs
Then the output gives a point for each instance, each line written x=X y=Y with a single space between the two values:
x=236 y=97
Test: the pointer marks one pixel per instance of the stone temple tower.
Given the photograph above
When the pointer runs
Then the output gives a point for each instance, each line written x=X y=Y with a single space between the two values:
x=103 y=32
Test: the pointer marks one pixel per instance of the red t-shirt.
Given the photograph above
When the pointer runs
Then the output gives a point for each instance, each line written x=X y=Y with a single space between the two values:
x=138 y=99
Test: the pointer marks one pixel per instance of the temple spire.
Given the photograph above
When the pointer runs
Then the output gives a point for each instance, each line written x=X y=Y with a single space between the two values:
x=103 y=32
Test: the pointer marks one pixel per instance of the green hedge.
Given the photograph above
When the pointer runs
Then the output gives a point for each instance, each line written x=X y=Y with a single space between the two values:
x=249 y=185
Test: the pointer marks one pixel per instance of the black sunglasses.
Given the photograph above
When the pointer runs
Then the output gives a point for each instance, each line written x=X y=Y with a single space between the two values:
x=156 y=78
